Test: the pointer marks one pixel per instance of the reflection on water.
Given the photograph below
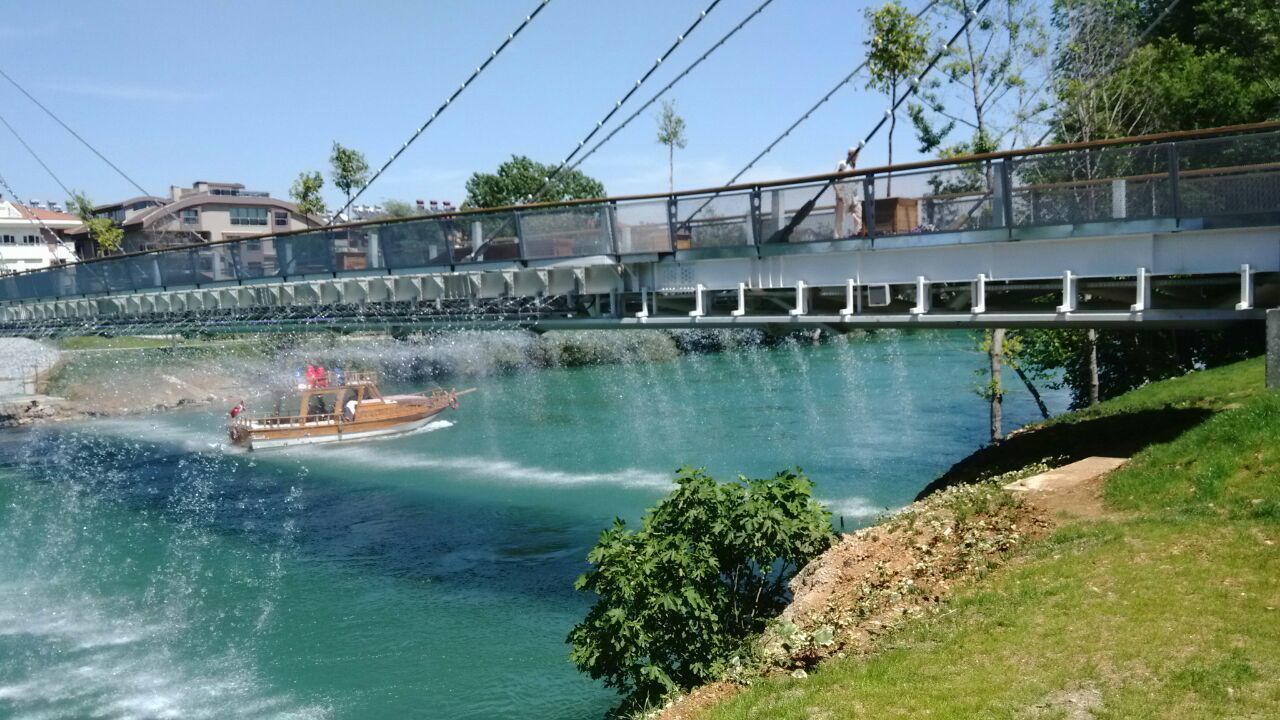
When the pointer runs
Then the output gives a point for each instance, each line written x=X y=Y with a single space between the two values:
x=149 y=571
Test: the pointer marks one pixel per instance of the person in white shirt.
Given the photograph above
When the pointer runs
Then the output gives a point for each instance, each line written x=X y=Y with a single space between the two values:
x=848 y=198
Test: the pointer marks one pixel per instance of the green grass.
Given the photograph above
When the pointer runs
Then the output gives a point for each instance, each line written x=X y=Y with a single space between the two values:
x=1171 y=610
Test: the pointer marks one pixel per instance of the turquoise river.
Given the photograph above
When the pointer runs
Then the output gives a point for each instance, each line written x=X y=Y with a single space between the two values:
x=148 y=572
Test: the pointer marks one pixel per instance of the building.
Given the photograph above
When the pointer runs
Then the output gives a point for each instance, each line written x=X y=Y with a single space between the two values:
x=204 y=212
x=26 y=244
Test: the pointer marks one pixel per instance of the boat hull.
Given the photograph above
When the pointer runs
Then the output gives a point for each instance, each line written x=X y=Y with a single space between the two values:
x=321 y=434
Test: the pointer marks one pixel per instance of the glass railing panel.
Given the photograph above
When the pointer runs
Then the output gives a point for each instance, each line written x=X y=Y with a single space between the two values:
x=566 y=232
x=948 y=199
x=256 y=258
x=1229 y=175
x=9 y=288
x=714 y=221
x=354 y=249
x=176 y=268
x=89 y=278
x=116 y=275
x=142 y=271
x=642 y=227
x=418 y=243
x=306 y=253
x=214 y=263
x=805 y=213
x=1091 y=186
x=486 y=237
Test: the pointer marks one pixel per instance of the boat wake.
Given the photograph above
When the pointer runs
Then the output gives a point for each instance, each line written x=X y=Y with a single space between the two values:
x=498 y=469
x=100 y=662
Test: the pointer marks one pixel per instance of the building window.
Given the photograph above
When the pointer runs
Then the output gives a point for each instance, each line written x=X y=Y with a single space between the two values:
x=191 y=216
x=7 y=239
x=282 y=218
x=248 y=216
x=30 y=239
x=253 y=245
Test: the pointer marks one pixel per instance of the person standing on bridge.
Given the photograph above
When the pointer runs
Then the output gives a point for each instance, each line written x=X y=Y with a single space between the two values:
x=848 y=198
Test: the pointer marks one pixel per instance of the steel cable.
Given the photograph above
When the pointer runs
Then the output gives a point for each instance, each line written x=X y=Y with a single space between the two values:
x=546 y=182
x=760 y=8
x=443 y=106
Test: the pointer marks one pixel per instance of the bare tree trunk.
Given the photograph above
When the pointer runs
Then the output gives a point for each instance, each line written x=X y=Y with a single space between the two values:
x=997 y=390
x=1031 y=388
x=893 y=123
x=1093 y=366
x=671 y=167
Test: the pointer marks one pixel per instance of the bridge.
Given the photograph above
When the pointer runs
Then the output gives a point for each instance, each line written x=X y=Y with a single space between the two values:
x=1180 y=229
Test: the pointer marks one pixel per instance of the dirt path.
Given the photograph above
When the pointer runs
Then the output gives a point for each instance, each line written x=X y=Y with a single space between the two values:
x=1070 y=491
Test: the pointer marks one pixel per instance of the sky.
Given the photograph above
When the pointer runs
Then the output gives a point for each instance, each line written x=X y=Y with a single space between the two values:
x=257 y=91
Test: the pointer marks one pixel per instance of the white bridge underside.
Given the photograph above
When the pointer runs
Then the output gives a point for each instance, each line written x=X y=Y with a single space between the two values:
x=1085 y=277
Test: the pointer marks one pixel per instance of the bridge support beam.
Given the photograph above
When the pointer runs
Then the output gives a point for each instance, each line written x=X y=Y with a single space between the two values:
x=1246 y=288
x=802 y=300
x=1273 y=349
x=1143 y=291
x=1068 y=293
x=742 y=301
x=979 y=301
x=699 y=301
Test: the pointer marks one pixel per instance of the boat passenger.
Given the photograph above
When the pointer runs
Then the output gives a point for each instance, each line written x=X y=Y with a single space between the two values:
x=349 y=412
x=322 y=378
x=311 y=375
x=316 y=408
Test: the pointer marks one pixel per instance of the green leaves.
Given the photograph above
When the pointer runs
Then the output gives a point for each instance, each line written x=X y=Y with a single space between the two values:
x=708 y=567
x=897 y=47
x=521 y=180
x=306 y=193
x=348 y=169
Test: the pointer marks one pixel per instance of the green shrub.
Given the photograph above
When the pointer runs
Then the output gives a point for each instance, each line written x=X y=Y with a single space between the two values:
x=707 y=569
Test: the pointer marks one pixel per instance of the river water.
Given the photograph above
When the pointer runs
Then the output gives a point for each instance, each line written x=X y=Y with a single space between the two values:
x=148 y=572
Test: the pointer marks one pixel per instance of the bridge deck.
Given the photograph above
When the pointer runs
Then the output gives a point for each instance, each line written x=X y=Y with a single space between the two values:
x=1191 y=224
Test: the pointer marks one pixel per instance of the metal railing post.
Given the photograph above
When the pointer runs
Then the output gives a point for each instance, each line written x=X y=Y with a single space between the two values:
x=1175 y=191
x=757 y=222
x=672 y=221
x=610 y=213
x=1006 y=193
x=519 y=226
x=869 y=206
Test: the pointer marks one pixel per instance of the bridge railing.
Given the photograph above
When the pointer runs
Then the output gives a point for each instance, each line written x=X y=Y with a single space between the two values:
x=1232 y=177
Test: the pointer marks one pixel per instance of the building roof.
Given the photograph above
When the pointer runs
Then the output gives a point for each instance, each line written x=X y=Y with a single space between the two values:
x=38 y=214
x=150 y=215
x=130 y=201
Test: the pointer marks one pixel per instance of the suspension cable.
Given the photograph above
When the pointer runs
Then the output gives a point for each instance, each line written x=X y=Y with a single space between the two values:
x=807 y=113
x=74 y=134
x=546 y=182
x=87 y=144
x=911 y=90
x=37 y=157
x=443 y=106
x=671 y=84
x=39 y=220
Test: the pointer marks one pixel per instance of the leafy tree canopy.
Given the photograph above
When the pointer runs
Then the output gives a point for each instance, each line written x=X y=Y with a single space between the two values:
x=520 y=180
x=102 y=231
x=306 y=193
x=348 y=169
x=708 y=567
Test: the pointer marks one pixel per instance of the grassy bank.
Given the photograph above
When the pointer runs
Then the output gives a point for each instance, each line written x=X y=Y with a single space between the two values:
x=1168 y=607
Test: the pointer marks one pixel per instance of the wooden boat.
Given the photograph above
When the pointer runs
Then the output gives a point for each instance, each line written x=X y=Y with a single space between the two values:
x=339 y=407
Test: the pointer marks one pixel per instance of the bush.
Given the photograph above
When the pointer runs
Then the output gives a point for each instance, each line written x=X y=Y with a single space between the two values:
x=708 y=567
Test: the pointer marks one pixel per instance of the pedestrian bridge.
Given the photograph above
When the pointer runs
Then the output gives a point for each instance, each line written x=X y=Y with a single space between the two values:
x=1170 y=230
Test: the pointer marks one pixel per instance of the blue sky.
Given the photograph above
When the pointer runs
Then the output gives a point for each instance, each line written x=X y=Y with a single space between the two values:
x=254 y=92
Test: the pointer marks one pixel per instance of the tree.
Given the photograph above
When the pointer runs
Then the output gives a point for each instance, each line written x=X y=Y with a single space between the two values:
x=709 y=566
x=102 y=231
x=671 y=134
x=348 y=169
x=398 y=209
x=896 y=51
x=306 y=194
x=991 y=73
x=521 y=180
